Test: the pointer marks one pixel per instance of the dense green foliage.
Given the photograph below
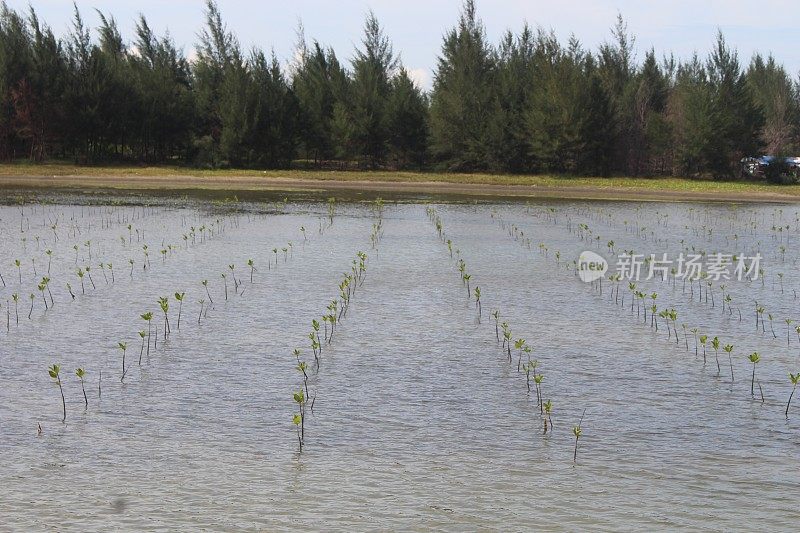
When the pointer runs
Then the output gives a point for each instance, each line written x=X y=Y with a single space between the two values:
x=527 y=104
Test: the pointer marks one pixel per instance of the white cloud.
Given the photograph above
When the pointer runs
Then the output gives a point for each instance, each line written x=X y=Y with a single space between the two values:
x=191 y=56
x=421 y=77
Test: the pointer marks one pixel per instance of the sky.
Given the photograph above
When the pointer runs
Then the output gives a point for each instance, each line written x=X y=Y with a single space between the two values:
x=416 y=26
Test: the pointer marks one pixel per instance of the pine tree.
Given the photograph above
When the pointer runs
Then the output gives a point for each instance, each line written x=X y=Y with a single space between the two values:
x=515 y=80
x=463 y=96
x=407 y=118
x=373 y=68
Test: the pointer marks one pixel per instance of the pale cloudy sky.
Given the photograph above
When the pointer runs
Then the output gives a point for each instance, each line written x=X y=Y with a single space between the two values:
x=416 y=26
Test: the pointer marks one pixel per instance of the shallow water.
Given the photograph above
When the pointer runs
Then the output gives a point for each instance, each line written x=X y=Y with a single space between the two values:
x=419 y=421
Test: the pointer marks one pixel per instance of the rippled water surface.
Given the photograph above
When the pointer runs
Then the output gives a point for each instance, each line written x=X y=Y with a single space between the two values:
x=419 y=420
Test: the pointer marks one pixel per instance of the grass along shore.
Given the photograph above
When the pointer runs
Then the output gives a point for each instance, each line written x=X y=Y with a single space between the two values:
x=60 y=175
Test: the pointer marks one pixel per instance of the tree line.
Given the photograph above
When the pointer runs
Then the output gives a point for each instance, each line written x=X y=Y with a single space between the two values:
x=527 y=104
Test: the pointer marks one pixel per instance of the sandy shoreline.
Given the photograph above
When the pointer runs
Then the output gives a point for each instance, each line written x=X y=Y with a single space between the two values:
x=233 y=183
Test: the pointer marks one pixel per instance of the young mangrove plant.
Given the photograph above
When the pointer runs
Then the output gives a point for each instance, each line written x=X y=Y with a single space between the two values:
x=703 y=340
x=753 y=358
x=252 y=266
x=794 y=378
x=204 y=283
x=142 y=335
x=89 y=274
x=179 y=296
x=518 y=345
x=496 y=316
x=300 y=418
x=15 y=298
x=548 y=421
x=147 y=317
x=715 y=345
x=577 y=431
x=41 y=288
x=315 y=326
x=123 y=346
x=54 y=372
x=478 y=302
x=728 y=349
x=507 y=339
x=528 y=368
x=81 y=373
x=80 y=276
x=537 y=379
x=233 y=276
x=163 y=302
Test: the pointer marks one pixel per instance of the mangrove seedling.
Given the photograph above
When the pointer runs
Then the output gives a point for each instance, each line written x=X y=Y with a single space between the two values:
x=478 y=302
x=81 y=373
x=41 y=288
x=252 y=266
x=577 y=431
x=753 y=358
x=728 y=349
x=518 y=345
x=537 y=379
x=163 y=302
x=233 y=275
x=496 y=316
x=80 y=276
x=794 y=378
x=179 y=297
x=528 y=368
x=142 y=335
x=15 y=297
x=148 y=317
x=315 y=325
x=715 y=345
x=205 y=285
x=302 y=366
x=54 y=372
x=300 y=399
x=548 y=408
x=703 y=340
x=89 y=273
x=124 y=347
